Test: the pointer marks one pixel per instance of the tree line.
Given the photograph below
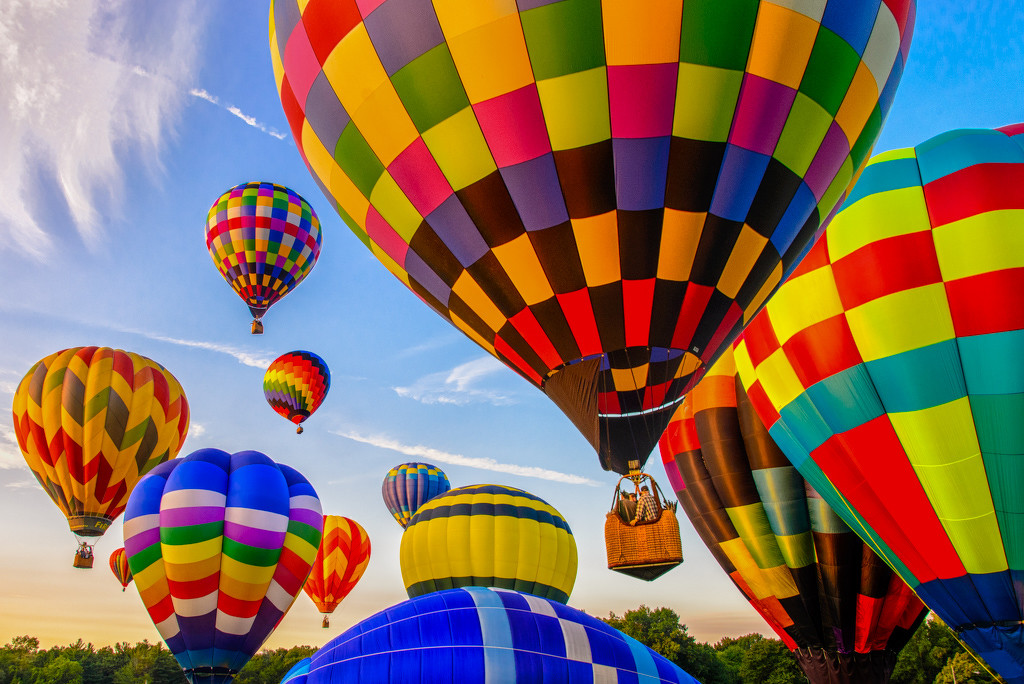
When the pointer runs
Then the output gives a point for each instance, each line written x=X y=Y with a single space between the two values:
x=933 y=656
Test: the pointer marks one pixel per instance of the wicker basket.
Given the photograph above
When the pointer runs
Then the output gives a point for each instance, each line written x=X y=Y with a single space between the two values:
x=649 y=549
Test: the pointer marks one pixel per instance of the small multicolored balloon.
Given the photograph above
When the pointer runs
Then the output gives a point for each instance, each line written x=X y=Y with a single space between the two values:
x=489 y=536
x=220 y=545
x=340 y=562
x=119 y=566
x=408 y=486
x=295 y=385
x=480 y=635
x=264 y=239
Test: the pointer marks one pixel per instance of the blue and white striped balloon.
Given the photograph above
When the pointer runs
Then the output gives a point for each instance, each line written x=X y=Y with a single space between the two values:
x=478 y=635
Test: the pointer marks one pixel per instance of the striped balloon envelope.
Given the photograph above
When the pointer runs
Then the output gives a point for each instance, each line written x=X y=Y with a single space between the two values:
x=340 y=562
x=842 y=611
x=890 y=369
x=579 y=184
x=220 y=545
x=119 y=566
x=480 y=635
x=90 y=421
x=264 y=239
x=295 y=385
x=408 y=486
x=489 y=536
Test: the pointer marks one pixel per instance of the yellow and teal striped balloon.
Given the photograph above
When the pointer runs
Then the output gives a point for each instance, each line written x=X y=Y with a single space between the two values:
x=489 y=536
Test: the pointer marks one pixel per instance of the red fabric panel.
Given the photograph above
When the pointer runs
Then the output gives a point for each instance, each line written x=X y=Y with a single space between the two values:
x=762 y=406
x=640 y=295
x=516 y=361
x=526 y=325
x=293 y=112
x=760 y=338
x=194 y=588
x=900 y=9
x=987 y=303
x=817 y=257
x=886 y=266
x=608 y=403
x=232 y=606
x=732 y=316
x=868 y=610
x=894 y=504
x=975 y=190
x=821 y=350
x=694 y=302
x=1012 y=129
x=326 y=22
x=579 y=313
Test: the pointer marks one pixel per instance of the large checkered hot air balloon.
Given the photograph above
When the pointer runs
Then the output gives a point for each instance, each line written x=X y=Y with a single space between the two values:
x=295 y=385
x=890 y=369
x=220 y=545
x=598 y=193
x=90 y=421
x=842 y=611
x=340 y=562
x=264 y=239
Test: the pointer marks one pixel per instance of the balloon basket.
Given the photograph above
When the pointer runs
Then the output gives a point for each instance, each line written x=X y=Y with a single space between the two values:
x=257 y=327
x=646 y=549
x=298 y=430
x=82 y=561
x=326 y=622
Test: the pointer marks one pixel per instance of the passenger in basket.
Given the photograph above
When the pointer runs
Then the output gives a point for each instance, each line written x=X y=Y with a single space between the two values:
x=627 y=506
x=647 y=508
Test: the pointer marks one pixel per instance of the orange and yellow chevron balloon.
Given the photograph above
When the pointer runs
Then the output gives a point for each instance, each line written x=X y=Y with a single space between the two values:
x=90 y=422
x=341 y=560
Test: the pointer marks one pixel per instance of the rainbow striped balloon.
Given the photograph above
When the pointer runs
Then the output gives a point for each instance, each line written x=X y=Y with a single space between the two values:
x=408 y=486
x=119 y=566
x=295 y=385
x=220 y=545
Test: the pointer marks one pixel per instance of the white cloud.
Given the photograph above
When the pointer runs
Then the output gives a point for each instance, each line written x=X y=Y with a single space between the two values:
x=22 y=484
x=85 y=81
x=438 y=456
x=10 y=453
x=243 y=356
x=196 y=430
x=250 y=120
x=461 y=385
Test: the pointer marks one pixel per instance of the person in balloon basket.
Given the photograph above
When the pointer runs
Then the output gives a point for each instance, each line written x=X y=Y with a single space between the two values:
x=627 y=506
x=647 y=507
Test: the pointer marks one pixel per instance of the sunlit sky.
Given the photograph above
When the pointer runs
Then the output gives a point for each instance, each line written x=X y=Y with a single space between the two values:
x=122 y=122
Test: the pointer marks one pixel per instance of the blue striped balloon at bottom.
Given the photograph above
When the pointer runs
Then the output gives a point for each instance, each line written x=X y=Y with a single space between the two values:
x=478 y=635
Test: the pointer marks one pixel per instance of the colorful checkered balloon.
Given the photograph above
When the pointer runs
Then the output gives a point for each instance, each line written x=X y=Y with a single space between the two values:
x=890 y=370
x=220 y=545
x=295 y=385
x=483 y=636
x=264 y=239
x=568 y=179
x=408 y=486
x=90 y=421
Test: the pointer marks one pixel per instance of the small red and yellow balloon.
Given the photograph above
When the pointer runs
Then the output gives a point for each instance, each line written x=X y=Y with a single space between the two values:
x=119 y=566
x=340 y=562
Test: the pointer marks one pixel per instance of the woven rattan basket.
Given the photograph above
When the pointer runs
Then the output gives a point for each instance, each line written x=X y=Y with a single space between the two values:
x=649 y=549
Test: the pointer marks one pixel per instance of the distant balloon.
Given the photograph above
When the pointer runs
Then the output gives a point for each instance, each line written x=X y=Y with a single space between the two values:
x=890 y=370
x=489 y=536
x=264 y=239
x=480 y=636
x=295 y=385
x=842 y=611
x=90 y=421
x=600 y=194
x=408 y=486
x=220 y=545
x=119 y=566
x=340 y=562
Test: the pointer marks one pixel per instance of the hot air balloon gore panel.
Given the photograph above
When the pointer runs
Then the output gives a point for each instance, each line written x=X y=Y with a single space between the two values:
x=494 y=158
x=896 y=383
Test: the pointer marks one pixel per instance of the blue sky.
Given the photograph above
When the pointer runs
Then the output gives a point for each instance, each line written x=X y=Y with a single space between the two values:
x=123 y=121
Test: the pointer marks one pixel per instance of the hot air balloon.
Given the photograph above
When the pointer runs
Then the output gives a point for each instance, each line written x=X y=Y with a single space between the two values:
x=264 y=239
x=408 y=486
x=295 y=385
x=220 y=545
x=340 y=562
x=90 y=421
x=119 y=566
x=476 y=635
x=842 y=611
x=600 y=194
x=489 y=536
x=889 y=370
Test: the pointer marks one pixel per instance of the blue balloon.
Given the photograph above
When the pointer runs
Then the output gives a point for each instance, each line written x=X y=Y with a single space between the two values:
x=475 y=635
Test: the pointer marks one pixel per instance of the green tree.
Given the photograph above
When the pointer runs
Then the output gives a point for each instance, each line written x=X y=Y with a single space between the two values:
x=60 y=670
x=269 y=667
x=963 y=668
x=732 y=651
x=769 y=661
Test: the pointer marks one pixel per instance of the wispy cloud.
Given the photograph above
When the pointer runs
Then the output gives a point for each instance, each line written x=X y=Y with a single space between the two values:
x=10 y=453
x=438 y=456
x=196 y=430
x=460 y=385
x=78 y=94
x=22 y=484
x=243 y=356
x=214 y=100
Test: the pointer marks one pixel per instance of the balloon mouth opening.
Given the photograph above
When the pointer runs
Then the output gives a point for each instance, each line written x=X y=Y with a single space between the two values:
x=298 y=415
x=88 y=525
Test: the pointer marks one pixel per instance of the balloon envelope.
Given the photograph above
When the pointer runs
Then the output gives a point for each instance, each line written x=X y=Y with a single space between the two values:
x=477 y=635
x=119 y=566
x=264 y=239
x=90 y=421
x=340 y=562
x=889 y=368
x=599 y=194
x=295 y=384
x=408 y=486
x=489 y=536
x=220 y=545
x=829 y=597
